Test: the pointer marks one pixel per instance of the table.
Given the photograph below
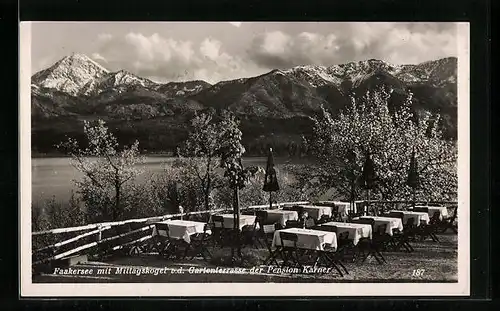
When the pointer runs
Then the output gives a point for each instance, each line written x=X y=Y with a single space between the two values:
x=392 y=223
x=418 y=217
x=432 y=209
x=356 y=231
x=317 y=211
x=181 y=229
x=245 y=220
x=281 y=216
x=308 y=239
x=342 y=207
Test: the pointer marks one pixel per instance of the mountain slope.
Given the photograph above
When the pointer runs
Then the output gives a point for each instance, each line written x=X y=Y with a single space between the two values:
x=279 y=103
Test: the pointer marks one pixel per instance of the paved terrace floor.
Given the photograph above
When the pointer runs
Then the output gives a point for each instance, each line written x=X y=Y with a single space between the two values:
x=438 y=261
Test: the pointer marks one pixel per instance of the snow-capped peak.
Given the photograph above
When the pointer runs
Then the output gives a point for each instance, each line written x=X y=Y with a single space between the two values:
x=70 y=74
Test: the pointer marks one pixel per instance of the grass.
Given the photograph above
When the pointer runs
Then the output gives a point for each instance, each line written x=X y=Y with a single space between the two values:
x=438 y=260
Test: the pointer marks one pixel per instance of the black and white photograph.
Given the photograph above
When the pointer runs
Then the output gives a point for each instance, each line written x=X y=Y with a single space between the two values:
x=244 y=158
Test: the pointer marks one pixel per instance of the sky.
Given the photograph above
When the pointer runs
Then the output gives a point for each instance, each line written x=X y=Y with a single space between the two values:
x=216 y=51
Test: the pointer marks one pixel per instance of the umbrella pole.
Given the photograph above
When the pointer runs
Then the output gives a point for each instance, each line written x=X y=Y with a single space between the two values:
x=368 y=203
x=414 y=196
x=270 y=200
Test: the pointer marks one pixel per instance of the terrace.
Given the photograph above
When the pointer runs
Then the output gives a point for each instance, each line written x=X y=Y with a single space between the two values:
x=311 y=242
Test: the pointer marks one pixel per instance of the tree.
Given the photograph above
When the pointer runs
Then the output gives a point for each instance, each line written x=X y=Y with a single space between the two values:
x=212 y=146
x=107 y=171
x=389 y=133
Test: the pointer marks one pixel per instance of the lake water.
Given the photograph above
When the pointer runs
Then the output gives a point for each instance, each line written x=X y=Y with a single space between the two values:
x=54 y=176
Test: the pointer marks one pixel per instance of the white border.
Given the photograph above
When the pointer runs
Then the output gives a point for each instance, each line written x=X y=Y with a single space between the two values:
x=461 y=288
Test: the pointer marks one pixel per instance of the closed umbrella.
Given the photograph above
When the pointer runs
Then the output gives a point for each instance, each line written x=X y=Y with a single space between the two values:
x=271 y=179
x=413 y=179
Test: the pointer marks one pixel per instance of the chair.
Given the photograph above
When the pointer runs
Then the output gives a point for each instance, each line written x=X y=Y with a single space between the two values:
x=293 y=224
x=218 y=231
x=365 y=221
x=403 y=239
x=199 y=242
x=432 y=228
x=268 y=240
x=450 y=222
x=399 y=215
x=324 y=219
x=335 y=256
x=378 y=242
x=309 y=222
x=289 y=252
x=261 y=216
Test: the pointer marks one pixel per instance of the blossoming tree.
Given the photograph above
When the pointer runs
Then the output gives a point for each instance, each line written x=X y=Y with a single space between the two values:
x=107 y=170
x=389 y=132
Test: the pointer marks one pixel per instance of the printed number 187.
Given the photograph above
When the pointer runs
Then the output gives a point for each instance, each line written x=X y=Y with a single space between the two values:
x=418 y=272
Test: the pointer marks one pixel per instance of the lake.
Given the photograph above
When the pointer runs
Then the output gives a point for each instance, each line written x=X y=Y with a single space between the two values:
x=54 y=176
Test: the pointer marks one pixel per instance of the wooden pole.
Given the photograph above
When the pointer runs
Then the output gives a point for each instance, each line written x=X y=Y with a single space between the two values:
x=270 y=200
x=237 y=202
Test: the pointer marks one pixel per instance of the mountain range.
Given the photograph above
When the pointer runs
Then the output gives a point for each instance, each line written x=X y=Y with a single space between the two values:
x=274 y=108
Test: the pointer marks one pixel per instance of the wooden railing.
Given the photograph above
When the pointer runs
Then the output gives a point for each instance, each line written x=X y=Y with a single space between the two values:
x=100 y=236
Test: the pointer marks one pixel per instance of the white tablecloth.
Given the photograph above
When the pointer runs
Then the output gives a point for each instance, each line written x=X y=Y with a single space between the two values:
x=356 y=231
x=181 y=229
x=418 y=217
x=281 y=216
x=308 y=239
x=245 y=220
x=342 y=207
x=432 y=209
x=392 y=223
x=317 y=211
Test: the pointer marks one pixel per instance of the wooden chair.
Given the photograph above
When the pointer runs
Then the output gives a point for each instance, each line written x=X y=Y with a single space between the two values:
x=200 y=242
x=378 y=242
x=432 y=228
x=293 y=224
x=289 y=252
x=450 y=222
x=403 y=239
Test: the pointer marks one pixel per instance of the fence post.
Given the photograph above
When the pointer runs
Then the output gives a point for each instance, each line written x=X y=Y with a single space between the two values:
x=99 y=235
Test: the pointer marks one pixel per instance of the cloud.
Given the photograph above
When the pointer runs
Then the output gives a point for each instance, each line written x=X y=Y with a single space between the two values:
x=98 y=57
x=259 y=49
x=393 y=42
x=165 y=59
x=235 y=24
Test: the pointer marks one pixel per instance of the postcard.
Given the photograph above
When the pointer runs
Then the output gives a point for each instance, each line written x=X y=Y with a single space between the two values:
x=244 y=159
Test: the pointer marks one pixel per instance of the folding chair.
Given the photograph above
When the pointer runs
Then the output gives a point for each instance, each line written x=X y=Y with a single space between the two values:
x=379 y=238
x=403 y=239
x=218 y=231
x=199 y=243
x=289 y=252
x=449 y=223
x=162 y=243
x=324 y=219
x=333 y=256
x=309 y=222
x=268 y=240
x=293 y=224
x=431 y=229
x=250 y=235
